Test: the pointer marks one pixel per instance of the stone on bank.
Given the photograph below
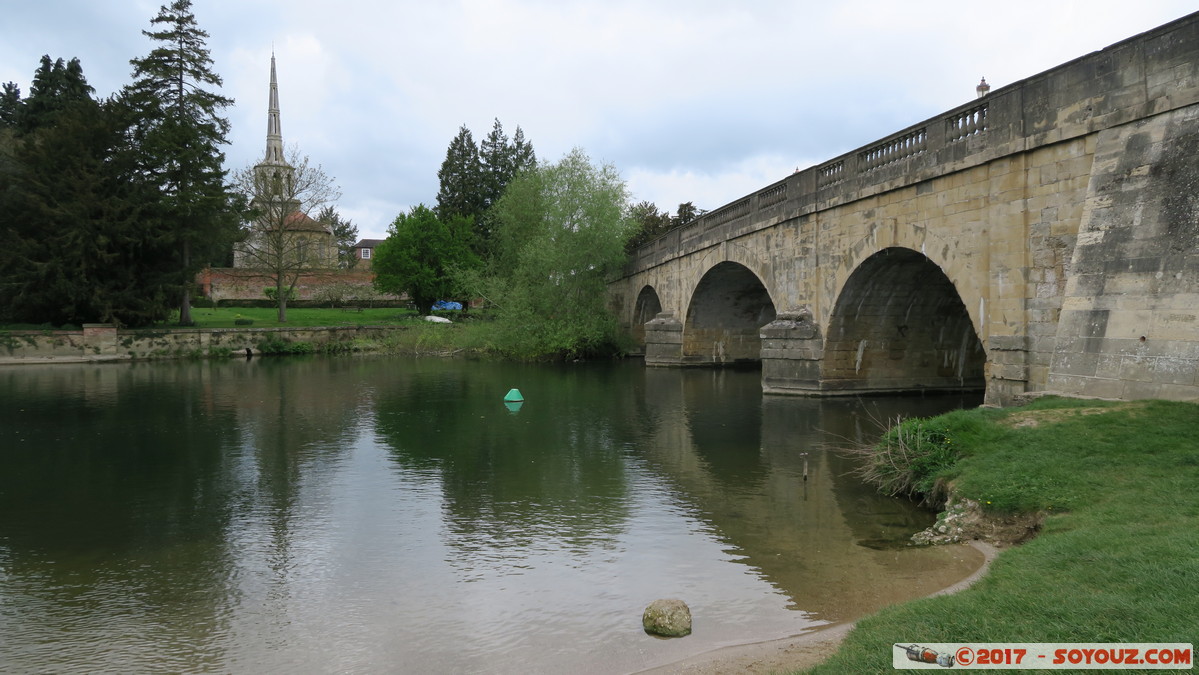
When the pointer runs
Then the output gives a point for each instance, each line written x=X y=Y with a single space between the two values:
x=667 y=618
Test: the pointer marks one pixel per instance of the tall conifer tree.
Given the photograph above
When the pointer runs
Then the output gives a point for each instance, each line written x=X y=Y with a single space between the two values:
x=76 y=247
x=523 y=157
x=497 y=162
x=460 y=192
x=179 y=133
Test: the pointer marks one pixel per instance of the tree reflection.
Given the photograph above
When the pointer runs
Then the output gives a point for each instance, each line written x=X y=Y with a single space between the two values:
x=550 y=477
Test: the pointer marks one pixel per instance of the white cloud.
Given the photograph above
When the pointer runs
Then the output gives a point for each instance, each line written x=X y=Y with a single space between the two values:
x=693 y=100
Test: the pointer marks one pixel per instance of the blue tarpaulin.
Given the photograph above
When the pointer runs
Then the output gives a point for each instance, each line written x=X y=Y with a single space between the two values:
x=447 y=304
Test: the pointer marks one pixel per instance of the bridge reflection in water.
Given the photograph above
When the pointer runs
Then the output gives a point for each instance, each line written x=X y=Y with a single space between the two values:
x=740 y=459
x=389 y=514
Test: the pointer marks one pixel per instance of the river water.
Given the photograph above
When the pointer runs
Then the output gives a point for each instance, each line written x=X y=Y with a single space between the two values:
x=369 y=515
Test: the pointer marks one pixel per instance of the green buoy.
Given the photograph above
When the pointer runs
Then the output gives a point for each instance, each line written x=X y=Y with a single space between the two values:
x=514 y=395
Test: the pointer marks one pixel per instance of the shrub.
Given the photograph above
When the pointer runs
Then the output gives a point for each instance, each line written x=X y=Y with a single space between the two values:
x=272 y=293
x=278 y=346
x=910 y=458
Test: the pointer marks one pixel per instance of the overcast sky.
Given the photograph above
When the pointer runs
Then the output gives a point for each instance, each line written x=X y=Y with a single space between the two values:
x=696 y=100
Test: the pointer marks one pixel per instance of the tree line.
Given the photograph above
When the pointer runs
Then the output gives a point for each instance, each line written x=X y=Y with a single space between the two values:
x=536 y=243
x=112 y=206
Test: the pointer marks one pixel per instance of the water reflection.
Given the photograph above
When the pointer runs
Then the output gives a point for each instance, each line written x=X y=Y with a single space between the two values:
x=361 y=515
x=827 y=541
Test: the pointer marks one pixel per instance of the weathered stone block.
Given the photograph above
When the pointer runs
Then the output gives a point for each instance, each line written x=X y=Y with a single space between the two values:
x=667 y=617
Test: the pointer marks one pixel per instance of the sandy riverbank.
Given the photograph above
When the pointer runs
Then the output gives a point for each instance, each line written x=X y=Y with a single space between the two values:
x=796 y=652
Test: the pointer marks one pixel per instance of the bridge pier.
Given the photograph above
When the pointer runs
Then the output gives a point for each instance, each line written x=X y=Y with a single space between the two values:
x=792 y=352
x=664 y=340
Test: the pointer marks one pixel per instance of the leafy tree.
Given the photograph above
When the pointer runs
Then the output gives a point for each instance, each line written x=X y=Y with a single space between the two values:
x=178 y=132
x=283 y=241
x=420 y=255
x=345 y=235
x=461 y=188
x=561 y=231
x=81 y=244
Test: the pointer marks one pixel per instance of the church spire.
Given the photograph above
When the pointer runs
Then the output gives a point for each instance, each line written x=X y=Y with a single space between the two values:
x=274 y=132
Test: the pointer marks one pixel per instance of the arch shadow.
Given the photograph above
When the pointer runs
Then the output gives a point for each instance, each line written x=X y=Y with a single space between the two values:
x=899 y=324
x=728 y=307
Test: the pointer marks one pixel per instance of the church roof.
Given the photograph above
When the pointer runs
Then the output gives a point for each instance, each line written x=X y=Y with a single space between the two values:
x=299 y=221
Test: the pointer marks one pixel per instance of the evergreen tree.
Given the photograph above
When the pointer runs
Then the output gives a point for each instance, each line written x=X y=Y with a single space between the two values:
x=345 y=234
x=77 y=245
x=497 y=163
x=10 y=104
x=523 y=156
x=686 y=213
x=649 y=223
x=461 y=190
x=178 y=134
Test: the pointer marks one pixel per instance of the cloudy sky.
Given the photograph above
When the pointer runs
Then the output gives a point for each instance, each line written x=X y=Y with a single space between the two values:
x=695 y=100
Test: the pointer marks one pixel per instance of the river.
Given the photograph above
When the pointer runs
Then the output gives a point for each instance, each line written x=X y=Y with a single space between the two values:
x=368 y=515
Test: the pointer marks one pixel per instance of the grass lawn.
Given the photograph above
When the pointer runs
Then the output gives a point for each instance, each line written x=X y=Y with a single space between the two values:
x=299 y=317
x=1117 y=559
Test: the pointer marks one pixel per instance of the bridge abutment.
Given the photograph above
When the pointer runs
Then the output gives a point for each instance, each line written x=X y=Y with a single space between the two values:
x=1007 y=376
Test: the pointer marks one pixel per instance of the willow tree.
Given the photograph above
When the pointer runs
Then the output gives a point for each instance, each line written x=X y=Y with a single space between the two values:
x=560 y=236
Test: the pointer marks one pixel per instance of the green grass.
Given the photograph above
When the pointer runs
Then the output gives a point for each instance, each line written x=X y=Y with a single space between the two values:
x=300 y=317
x=1117 y=559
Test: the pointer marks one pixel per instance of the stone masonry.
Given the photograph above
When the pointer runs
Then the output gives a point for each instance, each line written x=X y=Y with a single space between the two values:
x=1040 y=238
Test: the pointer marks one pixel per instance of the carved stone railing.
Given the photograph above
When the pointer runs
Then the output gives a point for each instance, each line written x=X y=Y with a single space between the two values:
x=966 y=123
x=1013 y=118
x=900 y=147
x=772 y=195
x=726 y=213
x=830 y=174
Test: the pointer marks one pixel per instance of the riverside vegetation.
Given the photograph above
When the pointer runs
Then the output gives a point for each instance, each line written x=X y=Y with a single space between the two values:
x=1117 y=555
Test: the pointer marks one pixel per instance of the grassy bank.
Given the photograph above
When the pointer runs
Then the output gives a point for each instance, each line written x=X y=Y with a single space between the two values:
x=266 y=317
x=1117 y=558
x=301 y=317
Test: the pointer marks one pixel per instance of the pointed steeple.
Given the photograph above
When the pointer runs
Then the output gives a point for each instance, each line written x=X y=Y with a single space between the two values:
x=275 y=175
x=274 y=131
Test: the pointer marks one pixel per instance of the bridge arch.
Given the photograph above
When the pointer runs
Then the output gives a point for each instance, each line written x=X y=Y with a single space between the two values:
x=968 y=276
x=898 y=324
x=647 y=306
x=727 y=308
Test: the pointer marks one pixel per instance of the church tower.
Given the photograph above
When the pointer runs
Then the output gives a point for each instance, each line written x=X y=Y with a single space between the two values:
x=283 y=231
x=274 y=170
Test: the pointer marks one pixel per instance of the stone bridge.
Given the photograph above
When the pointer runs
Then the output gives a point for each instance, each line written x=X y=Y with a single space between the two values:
x=1042 y=237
